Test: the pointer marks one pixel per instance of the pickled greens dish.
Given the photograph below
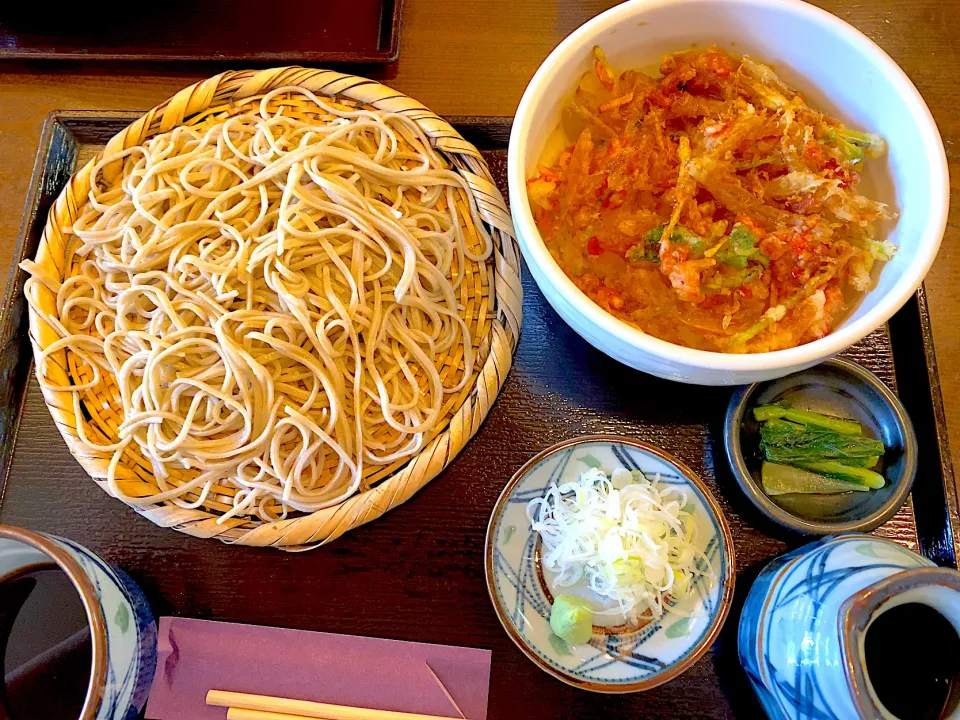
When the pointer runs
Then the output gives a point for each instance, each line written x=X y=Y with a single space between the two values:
x=710 y=207
x=806 y=452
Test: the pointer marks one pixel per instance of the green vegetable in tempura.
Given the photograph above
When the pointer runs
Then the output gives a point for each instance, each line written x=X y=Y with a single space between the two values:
x=741 y=247
x=873 y=146
x=571 y=619
x=648 y=250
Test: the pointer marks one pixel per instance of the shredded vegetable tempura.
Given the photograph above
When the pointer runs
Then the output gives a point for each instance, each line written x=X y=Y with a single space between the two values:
x=631 y=540
x=710 y=207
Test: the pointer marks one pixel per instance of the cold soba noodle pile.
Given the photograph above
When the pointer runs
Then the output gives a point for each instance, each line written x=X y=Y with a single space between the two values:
x=275 y=298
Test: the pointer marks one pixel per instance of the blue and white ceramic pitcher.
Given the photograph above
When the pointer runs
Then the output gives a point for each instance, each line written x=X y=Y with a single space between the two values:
x=803 y=626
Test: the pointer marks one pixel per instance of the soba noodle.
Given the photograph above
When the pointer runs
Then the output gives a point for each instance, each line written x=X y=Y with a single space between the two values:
x=274 y=296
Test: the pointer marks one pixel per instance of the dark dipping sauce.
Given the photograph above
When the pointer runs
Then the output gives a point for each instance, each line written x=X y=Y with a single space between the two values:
x=45 y=641
x=912 y=654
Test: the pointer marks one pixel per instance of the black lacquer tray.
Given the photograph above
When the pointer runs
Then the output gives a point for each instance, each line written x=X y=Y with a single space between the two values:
x=417 y=573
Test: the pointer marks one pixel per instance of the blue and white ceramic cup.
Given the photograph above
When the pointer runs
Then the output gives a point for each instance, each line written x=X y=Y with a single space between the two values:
x=123 y=633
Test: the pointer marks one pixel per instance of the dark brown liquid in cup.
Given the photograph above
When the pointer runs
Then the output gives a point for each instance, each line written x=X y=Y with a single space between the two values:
x=45 y=641
x=912 y=654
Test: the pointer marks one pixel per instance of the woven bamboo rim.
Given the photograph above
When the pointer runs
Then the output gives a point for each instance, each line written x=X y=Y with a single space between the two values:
x=491 y=294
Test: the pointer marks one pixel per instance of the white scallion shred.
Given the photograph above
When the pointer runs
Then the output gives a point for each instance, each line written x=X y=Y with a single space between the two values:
x=630 y=539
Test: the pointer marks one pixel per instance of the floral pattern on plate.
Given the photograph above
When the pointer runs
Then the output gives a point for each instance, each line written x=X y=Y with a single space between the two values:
x=624 y=662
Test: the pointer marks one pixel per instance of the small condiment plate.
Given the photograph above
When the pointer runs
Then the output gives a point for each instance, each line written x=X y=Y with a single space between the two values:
x=839 y=388
x=620 y=659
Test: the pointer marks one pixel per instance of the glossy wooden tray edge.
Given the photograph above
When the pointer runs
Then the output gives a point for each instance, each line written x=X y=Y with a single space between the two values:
x=54 y=164
x=936 y=511
x=915 y=366
x=384 y=54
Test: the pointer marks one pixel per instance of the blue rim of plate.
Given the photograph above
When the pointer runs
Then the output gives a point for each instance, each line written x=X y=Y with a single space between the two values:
x=726 y=575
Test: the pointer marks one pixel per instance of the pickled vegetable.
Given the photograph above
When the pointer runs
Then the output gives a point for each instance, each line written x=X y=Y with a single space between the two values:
x=815 y=453
x=783 y=479
x=806 y=417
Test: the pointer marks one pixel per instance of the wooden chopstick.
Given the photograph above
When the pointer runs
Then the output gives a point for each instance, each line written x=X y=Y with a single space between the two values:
x=243 y=706
x=244 y=714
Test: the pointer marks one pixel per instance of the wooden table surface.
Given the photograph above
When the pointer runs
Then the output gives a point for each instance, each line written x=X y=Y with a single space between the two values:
x=474 y=57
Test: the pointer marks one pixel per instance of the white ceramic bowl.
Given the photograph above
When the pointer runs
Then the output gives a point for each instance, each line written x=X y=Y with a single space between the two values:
x=836 y=69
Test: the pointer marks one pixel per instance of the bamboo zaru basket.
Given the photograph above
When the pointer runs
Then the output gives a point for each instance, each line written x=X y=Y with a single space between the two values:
x=489 y=294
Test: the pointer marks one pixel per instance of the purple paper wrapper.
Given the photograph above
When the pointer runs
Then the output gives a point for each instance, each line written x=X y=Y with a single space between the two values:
x=194 y=656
